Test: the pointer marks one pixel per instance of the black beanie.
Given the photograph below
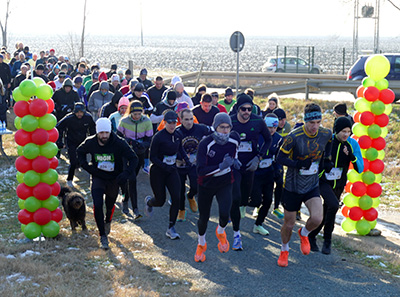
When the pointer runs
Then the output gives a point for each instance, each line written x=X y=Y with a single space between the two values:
x=243 y=99
x=340 y=109
x=280 y=113
x=341 y=123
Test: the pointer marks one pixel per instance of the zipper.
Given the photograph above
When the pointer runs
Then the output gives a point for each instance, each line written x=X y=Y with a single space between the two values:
x=336 y=161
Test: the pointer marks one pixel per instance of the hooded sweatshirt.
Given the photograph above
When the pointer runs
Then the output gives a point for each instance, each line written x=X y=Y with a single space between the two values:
x=98 y=99
x=64 y=102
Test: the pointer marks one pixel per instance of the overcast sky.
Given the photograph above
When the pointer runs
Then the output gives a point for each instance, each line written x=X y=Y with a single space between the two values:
x=198 y=18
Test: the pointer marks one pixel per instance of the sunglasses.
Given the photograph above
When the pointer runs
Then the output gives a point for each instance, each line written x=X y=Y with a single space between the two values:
x=246 y=108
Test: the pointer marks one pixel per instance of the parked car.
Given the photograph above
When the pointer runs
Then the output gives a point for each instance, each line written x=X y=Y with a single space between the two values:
x=357 y=71
x=289 y=64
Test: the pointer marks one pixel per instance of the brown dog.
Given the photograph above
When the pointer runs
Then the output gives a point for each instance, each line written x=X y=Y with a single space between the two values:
x=74 y=207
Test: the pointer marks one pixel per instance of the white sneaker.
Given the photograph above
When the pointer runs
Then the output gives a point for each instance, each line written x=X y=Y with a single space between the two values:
x=260 y=230
x=70 y=183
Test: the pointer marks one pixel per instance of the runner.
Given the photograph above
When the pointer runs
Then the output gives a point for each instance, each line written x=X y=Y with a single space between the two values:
x=163 y=173
x=108 y=152
x=302 y=152
x=205 y=111
x=216 y=157
x=331 y=185
x=250 y=128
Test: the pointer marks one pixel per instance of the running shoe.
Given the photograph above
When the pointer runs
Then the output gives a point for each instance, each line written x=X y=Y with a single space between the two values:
x=374 y=232
x=148 y=210
x=104 y=242
x=223 y=244
x=237 y=243
x=181 y=216
x=304 y=243
x=278 y=213
x=260 y=230
x=193 y=205
x=326 y=248
x=125 y=207
x=146 y=169
x=313 y=244
x=70 y=183
x=283 y=259
x=136 y=214
x=107 y=227
x=242 y=211
x=199 y=256
x=255 y=211
x=171 y=233
x=298 y=216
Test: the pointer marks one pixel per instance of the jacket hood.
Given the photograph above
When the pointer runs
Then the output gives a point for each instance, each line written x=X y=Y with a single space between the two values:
x=104 y=85
x=68 y=83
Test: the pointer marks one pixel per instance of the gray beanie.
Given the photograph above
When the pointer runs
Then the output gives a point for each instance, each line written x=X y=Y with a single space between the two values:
x=221 y=118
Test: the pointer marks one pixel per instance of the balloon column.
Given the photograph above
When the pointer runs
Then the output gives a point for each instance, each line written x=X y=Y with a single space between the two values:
x=373 y=108
x=36 y=164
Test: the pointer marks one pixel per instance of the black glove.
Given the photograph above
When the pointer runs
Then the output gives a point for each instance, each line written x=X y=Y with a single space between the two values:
x=122 y=178
x=351 y=155
x=304 y=164
x=328 y=165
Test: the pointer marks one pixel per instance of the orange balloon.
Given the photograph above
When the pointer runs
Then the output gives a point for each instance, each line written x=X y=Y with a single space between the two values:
x=347 y=188
x=345 y=211
x=351 y=166
x=355 y=137
x=360 y=91
x=356 y=117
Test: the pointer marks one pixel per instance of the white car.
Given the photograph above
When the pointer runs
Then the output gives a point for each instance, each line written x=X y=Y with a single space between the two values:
x=289 y=64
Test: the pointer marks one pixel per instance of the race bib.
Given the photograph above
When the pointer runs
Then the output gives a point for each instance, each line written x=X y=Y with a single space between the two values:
x=245 y=147
x=265 y=163
x=334 y=174
x=312 y=170
x=105 y=162
x=193 y=158
x=169 y=160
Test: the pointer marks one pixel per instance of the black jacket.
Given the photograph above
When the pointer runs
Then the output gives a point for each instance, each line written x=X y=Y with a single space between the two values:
x=17 y=80
x=5 y=74
x=64 y=102
x=76 y=129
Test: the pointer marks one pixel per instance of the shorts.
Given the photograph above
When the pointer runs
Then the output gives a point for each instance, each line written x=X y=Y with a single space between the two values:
x=291 y=201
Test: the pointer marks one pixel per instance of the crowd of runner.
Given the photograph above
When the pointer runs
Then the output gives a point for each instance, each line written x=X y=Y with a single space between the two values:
x=201 y=147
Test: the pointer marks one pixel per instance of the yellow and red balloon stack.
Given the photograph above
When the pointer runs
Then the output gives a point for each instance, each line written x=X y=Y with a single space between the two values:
x=37 y=162
x=374 y=104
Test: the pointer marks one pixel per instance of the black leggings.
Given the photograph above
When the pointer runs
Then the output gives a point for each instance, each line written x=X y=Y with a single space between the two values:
x=73 y=161
x=159 y=179
x=278 y=192
x=241 y=191
x=331 y=205
x=261 y=194
x=224 y=198
x=101 y=187
x=130 y=188
x=193 y=186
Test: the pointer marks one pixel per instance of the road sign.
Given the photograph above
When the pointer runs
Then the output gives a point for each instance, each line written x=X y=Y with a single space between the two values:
x=237 y=41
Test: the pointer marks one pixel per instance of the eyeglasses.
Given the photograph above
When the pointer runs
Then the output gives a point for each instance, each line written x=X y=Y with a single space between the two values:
x=224 y=127
x=246 y=108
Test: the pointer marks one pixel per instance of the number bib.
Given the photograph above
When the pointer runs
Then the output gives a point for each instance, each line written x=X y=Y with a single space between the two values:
x=334 y=174
x=265 y=163
x=105 y=162
x=245 y=147
x=169 y=160
x=312 y=170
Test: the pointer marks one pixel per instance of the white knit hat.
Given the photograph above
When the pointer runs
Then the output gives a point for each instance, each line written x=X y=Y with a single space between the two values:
x=103 y=125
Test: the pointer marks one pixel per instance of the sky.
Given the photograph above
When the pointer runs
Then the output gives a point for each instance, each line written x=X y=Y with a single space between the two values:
x=197 y=18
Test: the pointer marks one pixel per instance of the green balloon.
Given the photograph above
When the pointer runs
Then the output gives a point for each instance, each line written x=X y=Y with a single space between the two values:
x=49 y=177
x=365 y=202
x=374 y=131
x=363 y=227
x=353 y=176
x=17 y=95
x=368 y=82
x=368 y=178
x=377 y=67
x=371 y=154
x=381 y=155
x=29 y=123
x=32 y=230
x=23 y=227
x=359 y=129
x=382 y=84
x=31 y=178
x=48 y=150
x=388 y=109
x=38 y=81
x=378 y=177
x=44 y=92
x=20 y=177
x=32 y=204
x=20 y=150
x=384 y=132
x=348 y=225
x=372 y=224
x=21 y=204
x=375 y=202
x=47 y=122
x=31 y=151
x=27 y=87
x=51 y=229
x=350 y=200
x=51 y=203
x=378 y=107
x=362 y=105
x=17 y=123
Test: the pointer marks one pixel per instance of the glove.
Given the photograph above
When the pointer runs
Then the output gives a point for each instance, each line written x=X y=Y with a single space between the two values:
x=328 y=165
x=253 y=164
x=227 y=162
x=304 y=164
x=122 y=178
x=237 y=164
x=352 y=156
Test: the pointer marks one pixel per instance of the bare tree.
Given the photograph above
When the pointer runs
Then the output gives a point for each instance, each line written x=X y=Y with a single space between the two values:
x=4 y=28
x=83 y=31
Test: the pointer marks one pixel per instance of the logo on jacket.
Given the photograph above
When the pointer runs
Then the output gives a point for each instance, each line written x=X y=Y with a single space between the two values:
x=211 y=153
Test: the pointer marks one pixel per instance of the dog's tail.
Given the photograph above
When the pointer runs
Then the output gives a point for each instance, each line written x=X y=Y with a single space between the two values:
x=64 y=190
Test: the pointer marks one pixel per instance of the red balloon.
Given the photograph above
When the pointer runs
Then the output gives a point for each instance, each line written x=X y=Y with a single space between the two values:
x=360 y=91
x=382 y=120
x=38 y=107
x=356 y=117
x=347 y=188
x=50 y=105
x=22 y=137
x=25 y=217
x=386 y=96
x=345 y=211
x=374 y=190
x=23 y=191
x=371 y=93
x=42 y=191
x=55 y=189
x=376 y=166
x=355 y=213
x=53 y=135
x=371 y=214
x=365 y=142
x=23 y=164
x=41 y=164
x=21 y=108
x=40 y=136
x=42 y=216
x=358 y=189
x=53 y=162
x=366 y=165
x=378 y=143
x=57 y=215
x=367 y=118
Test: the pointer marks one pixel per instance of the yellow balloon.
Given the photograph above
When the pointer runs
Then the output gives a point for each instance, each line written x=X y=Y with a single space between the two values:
x=384 y=132
x=377 y=67
x=388 y=108
x=359 y=129
x=378 y=178
x=362 y=105
x=381 y=154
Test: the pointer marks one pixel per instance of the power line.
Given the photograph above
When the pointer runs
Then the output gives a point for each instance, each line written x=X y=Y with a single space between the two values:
x=398 y=8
